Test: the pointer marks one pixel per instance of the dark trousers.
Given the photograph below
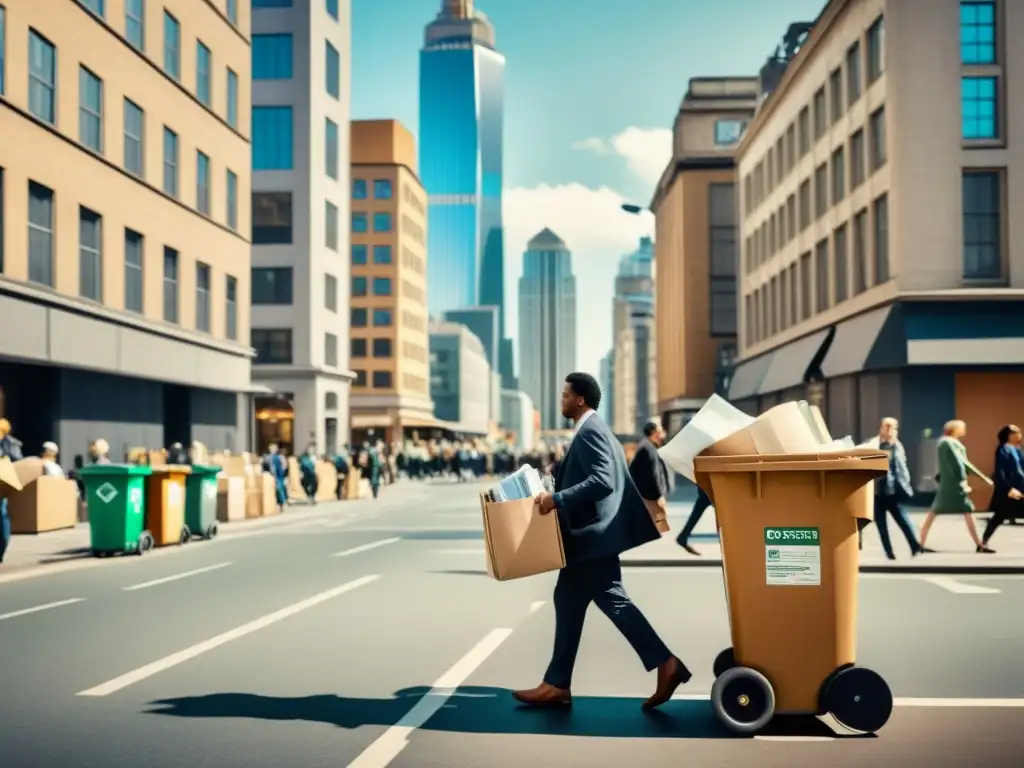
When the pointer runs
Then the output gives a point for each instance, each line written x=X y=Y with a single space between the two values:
x=5 y=528
x=890 y=505
x=1008 y=509
x=599 y=582
x=699 y=506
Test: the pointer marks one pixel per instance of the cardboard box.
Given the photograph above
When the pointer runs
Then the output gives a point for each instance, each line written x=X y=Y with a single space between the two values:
x=327 y=481
x=520 y=541
x=43 y=503
x=353 y=481
x=230 y=499
x=268 y=495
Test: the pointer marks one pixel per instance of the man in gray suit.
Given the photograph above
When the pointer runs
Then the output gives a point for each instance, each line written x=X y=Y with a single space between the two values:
x=601 y=515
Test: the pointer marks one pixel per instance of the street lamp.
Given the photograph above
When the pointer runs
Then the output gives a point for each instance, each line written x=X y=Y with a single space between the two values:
x=632 y=208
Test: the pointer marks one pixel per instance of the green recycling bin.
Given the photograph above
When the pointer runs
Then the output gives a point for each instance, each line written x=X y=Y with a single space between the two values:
x=115 y=496
x=201 y=501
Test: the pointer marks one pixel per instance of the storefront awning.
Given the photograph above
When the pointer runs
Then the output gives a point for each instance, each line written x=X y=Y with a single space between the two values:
x=790 y=362
x=855 y=340
x=748 y=375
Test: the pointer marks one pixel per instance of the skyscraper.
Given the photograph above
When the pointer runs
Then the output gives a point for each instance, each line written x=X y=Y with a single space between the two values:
x=462 y=97
x=635 y=401
x=547 y=324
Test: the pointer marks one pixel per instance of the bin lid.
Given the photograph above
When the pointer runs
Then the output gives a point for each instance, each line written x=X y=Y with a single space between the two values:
x=172 y=469
x=855 y=459
x=205 y=470
x=114 y=469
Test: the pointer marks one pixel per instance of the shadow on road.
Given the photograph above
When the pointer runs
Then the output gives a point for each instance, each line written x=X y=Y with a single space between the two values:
x=487 y=710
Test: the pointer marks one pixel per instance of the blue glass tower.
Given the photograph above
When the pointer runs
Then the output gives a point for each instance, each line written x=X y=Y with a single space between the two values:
x=462 y=97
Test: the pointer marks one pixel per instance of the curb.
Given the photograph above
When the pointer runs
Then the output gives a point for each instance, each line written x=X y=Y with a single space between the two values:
x=928 y=570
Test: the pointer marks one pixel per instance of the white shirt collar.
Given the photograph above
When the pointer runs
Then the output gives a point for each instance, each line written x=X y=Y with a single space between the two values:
x=583 y=419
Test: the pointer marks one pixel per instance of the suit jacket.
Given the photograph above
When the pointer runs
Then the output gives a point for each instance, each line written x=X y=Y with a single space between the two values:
x=648 y=471
x=1009 y=474
x=600 y=510
x=951 y=495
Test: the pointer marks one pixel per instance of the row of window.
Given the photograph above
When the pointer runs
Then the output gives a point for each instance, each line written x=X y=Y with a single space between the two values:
x=274 y=347
x=381 y=189
x=796 y=140
x=273 y=56
x=135 y=16
x=380 y=379
x=273 y=141
x=42 y=264
x=380 y=347
x=382 y=254
x=331 y=6
x=850 y=165
x=382 y=222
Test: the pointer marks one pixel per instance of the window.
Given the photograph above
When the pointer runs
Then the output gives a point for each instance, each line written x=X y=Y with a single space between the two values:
x=331 y=225
x=359 y=189
x=853 y=74
x=835 y=92
x=202 y=183
x=820 y=118
x=382 y=318
x=133 y=255
x=42 y=78
x=773 y=306
x=804 y=196
x=272 y=57
x=382 y=347
x=382 y=286
x=172 y=46
x=90 y=259
x=978 y=32
x=202 y=297
x=40 y=234
x=232 y=201
x=382 y=379
x=841 y=257
x=331 y=154
x=359 y=286
x=803 y=131
x=330 y=350
x=876 y=49
x=170 y=162
x=805 y=286
x=360 y=380
x=876 y=126
x=232 y=91
x=96 y=6
x=135 y=23
x=790 y=147
x=857 y=173
x=382 y=254
x=360 y=223
x=881 y=239
x=90 y=110
x=332 y=9
x=331 y=293
x=231 y=308
x=382 y=189
x=979 y=108
x=204 y=74
x=820 y=191
x=272 y=345
x=357 y=348
x=3 y=40
x=134 y=130
x=271 y=285
x=982 y=208
x=271 y=138
x=822 y=286
x=838 y=175
x=860 y=255
x=382 y=221
x=729 y=132
x=333 y=75
x=271 y=218
x=357 y=317
x=170 y=285
x=722 y=237
x=271 y=3
x=359 y=256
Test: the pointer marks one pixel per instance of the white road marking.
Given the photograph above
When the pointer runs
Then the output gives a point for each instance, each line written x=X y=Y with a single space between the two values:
x=959 y=588
x=1011 y=703
x=175 y=577
x=365 y=547
x=537 y=605
x=38 y=608
x=160 y=665
x=386 y=748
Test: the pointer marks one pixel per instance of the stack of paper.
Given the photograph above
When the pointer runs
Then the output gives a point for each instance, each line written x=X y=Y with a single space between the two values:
x=524 y=483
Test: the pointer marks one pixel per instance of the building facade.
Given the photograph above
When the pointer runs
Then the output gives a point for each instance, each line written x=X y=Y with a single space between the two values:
x=634 y=337
x=517 y=419
x=301 y=215
x=547 y=324
x=606 y=378
x=389 y=347
x=695 y=247
x=460 y=379
x=882 y=274
x=124 y=225
x=462 y=102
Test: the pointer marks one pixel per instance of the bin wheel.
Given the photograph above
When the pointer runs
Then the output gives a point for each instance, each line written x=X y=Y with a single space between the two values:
x=146 y=542
x=99 y=553
x=185 y=536
x=743 y=700
x=859 y=699
x=724 y=661
x=211 y=532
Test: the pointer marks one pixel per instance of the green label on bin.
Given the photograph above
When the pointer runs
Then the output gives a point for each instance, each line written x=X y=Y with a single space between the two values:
x=792 y=556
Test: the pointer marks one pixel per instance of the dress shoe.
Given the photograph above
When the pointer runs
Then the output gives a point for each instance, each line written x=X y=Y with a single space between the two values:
x=671 y=675
x=544 y=695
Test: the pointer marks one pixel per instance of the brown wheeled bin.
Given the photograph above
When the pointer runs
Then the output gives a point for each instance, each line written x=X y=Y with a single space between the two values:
x=165 y=505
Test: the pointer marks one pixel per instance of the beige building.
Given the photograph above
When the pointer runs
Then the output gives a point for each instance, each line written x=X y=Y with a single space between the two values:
x=881 y=272
x=390 y=341
x=124 y=223
x=695 y=246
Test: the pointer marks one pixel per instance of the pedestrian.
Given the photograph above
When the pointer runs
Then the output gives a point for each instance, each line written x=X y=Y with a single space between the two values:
x=1009 y=482
x=10 y=446
x=601 y=516
x=277 y=466
x=49 y=456
x=699 y=508
x=952 y=494
x=893 y=490
x=650 y=475
x=307 y=472
x=342 y=467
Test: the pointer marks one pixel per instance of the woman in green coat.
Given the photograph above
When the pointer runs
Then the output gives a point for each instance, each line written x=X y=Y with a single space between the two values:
x=952 y=496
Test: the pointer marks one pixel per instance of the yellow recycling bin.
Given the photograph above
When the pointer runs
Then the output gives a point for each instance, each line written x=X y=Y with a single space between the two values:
x=165 y=505
x=790 y=560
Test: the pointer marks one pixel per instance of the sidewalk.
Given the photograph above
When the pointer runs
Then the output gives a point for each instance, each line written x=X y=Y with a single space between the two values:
x=954 y=550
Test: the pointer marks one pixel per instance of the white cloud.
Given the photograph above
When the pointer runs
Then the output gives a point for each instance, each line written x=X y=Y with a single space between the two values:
x=597 y=231
x=593 y=144
x=645 y=150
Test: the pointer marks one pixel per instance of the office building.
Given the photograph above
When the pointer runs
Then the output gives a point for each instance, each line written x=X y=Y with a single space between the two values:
x=460 y=380
x=124 y=224
x=606 y=378
x=483 y=322
x=892 y=286
x=389 y=350
x=547 y=324
x=462 y=101
x=633 y=331
x=517 y=419
x=301 y=215
x=695 y=246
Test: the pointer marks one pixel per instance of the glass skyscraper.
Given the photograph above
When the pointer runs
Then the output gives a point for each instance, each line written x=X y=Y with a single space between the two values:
x=462 y=97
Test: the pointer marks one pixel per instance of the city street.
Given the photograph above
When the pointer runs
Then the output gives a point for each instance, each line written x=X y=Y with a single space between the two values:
x=367 y=634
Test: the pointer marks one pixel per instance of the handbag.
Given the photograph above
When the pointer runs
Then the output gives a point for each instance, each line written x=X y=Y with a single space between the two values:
x=658 y=515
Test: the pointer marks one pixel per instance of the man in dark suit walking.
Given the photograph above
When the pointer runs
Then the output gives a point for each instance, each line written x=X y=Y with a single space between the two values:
x=601 y=515
x=650 y=475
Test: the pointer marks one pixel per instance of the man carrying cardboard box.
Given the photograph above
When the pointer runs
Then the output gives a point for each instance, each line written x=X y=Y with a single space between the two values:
x=601 y=515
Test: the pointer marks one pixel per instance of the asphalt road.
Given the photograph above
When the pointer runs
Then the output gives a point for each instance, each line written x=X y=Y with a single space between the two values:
x=367 y=635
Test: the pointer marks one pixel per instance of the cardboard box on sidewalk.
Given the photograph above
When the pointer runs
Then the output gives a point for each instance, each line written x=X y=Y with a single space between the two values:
x=43 y=503
x=519 y=540
x=230 y=498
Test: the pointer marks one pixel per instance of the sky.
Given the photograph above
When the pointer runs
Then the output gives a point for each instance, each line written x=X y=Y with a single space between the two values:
x=591 y=90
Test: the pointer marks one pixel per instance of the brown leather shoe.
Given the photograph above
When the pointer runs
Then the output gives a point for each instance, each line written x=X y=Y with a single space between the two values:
x=671 y=675
x=544 y=695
